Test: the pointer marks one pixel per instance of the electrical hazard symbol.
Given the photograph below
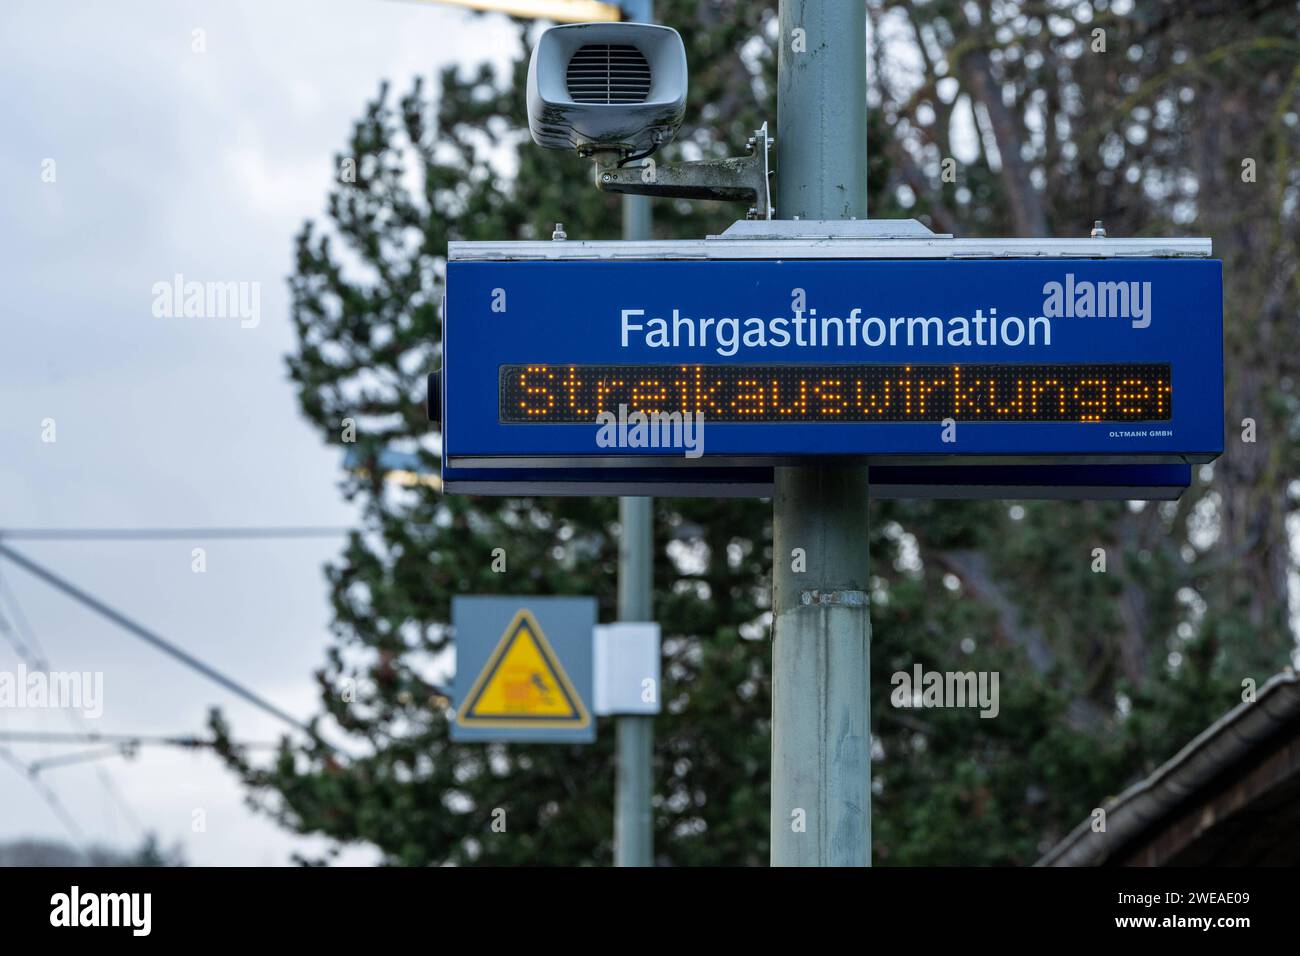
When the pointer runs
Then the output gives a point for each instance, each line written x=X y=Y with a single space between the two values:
x=523 y=684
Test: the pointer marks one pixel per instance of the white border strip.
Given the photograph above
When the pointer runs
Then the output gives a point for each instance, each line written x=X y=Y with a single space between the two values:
x=935 y=248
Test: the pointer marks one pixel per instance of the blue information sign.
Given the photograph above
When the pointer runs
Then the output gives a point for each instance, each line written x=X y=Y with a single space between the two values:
x=600 y=362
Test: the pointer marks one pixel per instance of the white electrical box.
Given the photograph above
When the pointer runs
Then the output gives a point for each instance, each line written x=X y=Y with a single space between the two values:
x=626 y=668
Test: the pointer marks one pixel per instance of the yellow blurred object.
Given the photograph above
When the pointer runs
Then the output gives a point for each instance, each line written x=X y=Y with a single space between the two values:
x=561 y=11
x=407 y=479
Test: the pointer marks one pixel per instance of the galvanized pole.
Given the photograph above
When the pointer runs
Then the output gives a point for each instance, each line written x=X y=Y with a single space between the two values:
x=633 y=838
x=633 y=834
x=821 y=744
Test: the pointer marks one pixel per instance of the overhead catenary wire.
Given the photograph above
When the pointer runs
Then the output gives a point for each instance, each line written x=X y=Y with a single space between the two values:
x=154 y=639
x=115 y=745
x=171 y=534
x=23 y=634
x=50 y=798
x=79 y=757
x=17 y=630
x=188 y=741
x=24 y=652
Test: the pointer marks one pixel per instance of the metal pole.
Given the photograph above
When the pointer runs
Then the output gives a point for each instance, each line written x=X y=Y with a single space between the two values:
x=633 y=833
x=633 y=836
x=821 y=744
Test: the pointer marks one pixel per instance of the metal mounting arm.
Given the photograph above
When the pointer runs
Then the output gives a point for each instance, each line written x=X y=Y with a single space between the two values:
x=734 y=179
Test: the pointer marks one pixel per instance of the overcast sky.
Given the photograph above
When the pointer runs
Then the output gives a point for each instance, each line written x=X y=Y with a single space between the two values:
x=169 y=161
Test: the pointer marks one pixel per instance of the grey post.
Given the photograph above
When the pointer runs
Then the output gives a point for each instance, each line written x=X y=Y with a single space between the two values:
x=633 y=833
x=633 y=836
x=821 y=743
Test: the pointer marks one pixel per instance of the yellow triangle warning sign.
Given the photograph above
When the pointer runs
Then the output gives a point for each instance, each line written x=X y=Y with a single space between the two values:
x=523 y=684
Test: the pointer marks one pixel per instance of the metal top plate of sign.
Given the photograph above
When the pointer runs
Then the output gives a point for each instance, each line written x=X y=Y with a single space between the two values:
x=812 y=239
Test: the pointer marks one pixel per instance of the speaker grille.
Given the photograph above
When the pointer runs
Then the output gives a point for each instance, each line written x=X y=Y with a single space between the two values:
x=608 y=73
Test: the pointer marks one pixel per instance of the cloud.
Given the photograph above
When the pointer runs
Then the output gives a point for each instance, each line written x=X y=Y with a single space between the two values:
x=204 y=164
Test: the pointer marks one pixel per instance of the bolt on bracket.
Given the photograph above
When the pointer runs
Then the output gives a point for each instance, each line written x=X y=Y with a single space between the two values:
x=734 y=179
